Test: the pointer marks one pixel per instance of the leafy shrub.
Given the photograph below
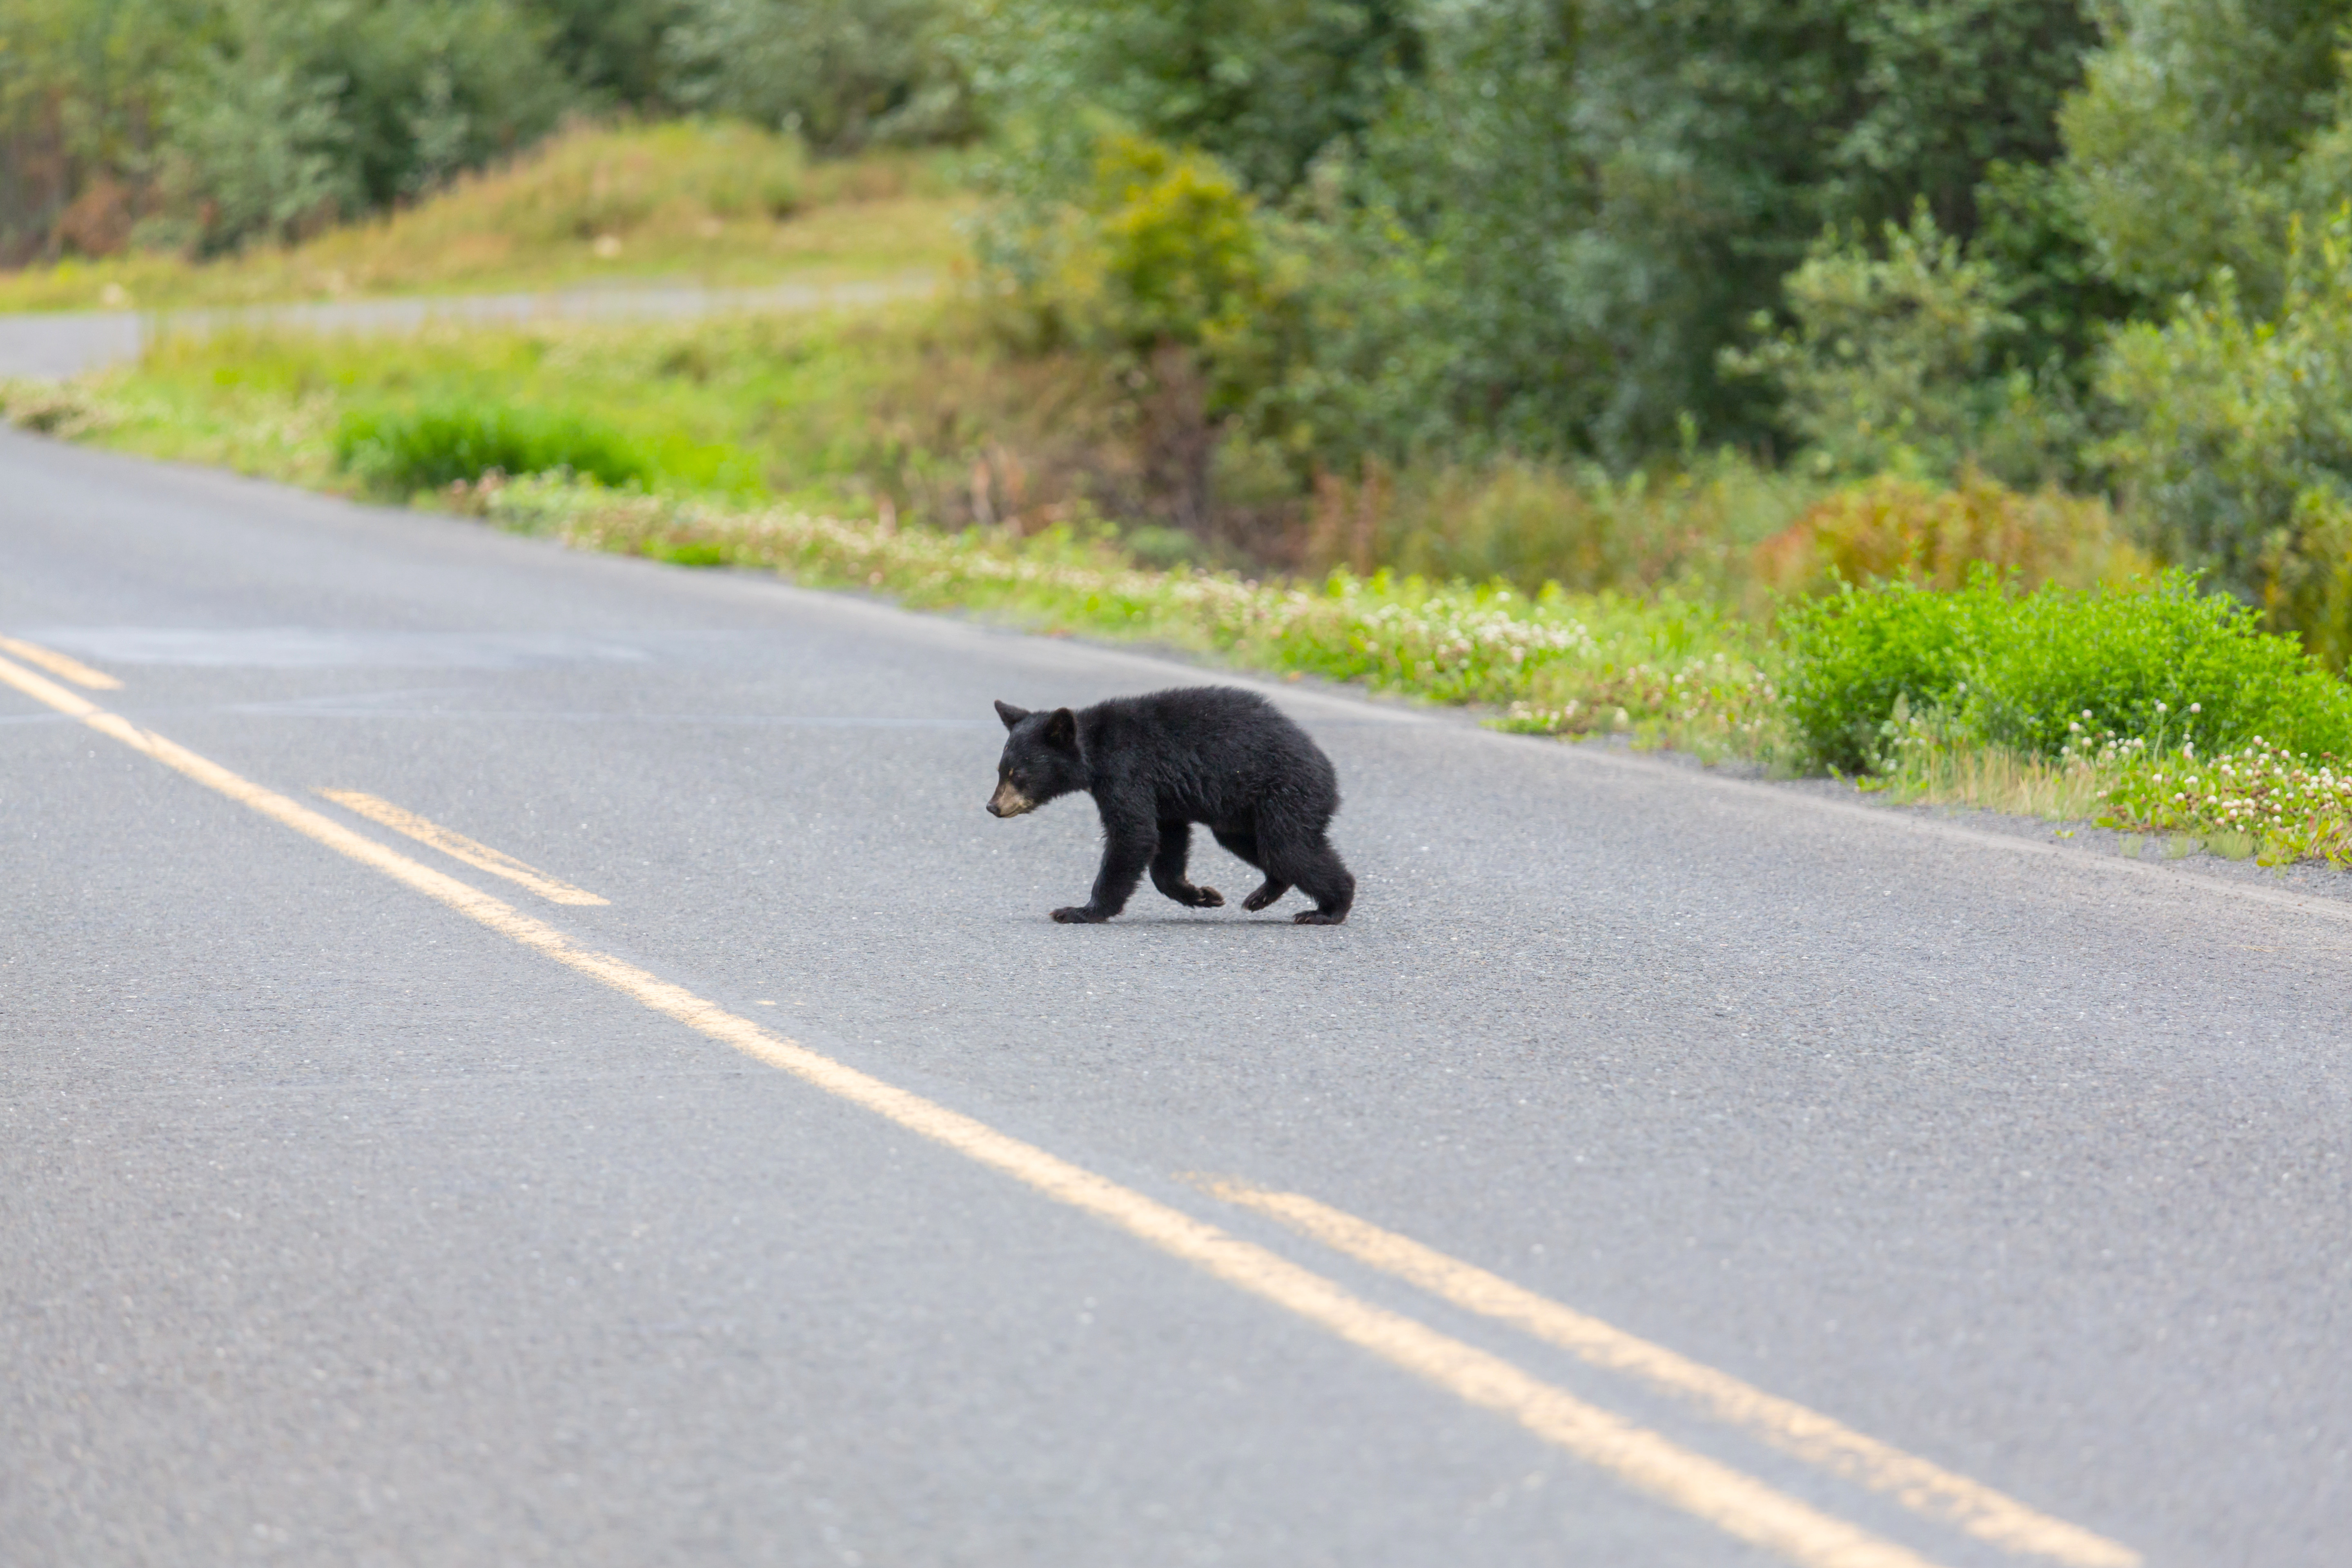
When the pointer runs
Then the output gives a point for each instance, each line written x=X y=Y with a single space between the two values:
x=1893 y=527
x=1527 y=522
x=1855 y=656
x=1889 y=364
x=401 y=451
x=2238 y=457
x=1160 y=267
x=282 y=116
x=2167 y=664
x=1162 y=245
x=841 y=72
x=2162 y=664
x=2199 y=130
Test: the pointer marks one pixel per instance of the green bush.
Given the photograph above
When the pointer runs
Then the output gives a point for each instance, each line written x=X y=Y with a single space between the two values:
x=2238 y=454
x=401 y=451
x=1854 y=656
x=2163 y=664
x=1888 y=366
x=2167 y=665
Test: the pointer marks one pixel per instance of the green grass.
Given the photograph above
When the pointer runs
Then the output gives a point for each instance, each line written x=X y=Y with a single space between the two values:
x=2262 y=799
x=1443 y=642
x=716 y=204
x=800 y=407
x=399 y=451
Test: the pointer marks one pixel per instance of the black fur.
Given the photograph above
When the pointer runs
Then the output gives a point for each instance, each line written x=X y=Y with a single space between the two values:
x=1157 y=764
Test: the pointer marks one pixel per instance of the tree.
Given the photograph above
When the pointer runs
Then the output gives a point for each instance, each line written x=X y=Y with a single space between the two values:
x=840 y=72
x=2203 y=129
x=1265 y=86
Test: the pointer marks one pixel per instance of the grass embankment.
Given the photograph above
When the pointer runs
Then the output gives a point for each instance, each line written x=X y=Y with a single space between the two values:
x=834 y=412
x=900 y=452
x=710 y=203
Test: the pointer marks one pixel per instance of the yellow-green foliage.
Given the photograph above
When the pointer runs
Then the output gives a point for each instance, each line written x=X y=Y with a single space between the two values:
x=1446 y=642
x=918 y=408
x=2238 y=455
x=2291 y=806
x=710 y=201
x=590 y=184
x=1165 y=248
x=1528 y=523
x=1898 y=528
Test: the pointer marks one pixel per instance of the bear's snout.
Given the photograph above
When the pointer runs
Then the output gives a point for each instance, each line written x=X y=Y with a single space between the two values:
x=1008 y=800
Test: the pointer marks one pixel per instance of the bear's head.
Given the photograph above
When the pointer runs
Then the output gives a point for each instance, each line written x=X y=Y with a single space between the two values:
x=1041 y=760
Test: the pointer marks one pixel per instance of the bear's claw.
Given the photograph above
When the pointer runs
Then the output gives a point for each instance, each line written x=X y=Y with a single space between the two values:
x=1079 y=915
x=1207 y=899
x=1316 y=918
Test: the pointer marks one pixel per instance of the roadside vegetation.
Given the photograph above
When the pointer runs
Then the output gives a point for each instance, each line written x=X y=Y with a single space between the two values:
x=686 y=201
x=1946 y=396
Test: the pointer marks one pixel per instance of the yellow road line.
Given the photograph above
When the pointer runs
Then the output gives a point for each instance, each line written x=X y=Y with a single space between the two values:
x=56 y=663
x=1915 y=1482
x=1734 y=1502
x=458 y=847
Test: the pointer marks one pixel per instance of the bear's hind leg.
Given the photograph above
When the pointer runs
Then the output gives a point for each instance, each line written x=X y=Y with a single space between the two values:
x=1244 y=843
x=1168 y=869
x=1319 y=872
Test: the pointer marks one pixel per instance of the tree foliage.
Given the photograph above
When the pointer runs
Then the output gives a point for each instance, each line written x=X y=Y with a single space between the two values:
x=2204 y=127
x=1885 y=369
x=2238 y=451
x=839 y=72
x=206 y=124
x=1264 y=86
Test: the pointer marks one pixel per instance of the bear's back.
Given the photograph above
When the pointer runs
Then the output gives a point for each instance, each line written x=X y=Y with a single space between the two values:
x=1211 y=752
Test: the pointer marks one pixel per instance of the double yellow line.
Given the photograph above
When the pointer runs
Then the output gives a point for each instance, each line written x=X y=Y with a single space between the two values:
x=1727 y=1498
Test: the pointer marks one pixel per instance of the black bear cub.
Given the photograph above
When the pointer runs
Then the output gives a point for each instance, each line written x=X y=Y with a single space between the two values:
x=1156 y=765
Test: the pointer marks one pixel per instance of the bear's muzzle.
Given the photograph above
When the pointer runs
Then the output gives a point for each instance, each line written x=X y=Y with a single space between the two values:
x=1008 y=800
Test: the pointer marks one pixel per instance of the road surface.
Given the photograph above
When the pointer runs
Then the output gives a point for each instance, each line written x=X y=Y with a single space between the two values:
x=522 y=1057
x=53 y=345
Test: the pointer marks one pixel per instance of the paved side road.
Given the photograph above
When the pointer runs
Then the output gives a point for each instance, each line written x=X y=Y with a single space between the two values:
x=1655 y=1169
x=55 y=345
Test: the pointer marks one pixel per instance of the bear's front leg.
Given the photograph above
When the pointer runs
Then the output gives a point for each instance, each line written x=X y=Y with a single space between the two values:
x=1128 y=848
x=1168 y=868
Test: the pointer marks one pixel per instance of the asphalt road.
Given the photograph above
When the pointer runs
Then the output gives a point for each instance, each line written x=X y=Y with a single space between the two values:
x=44 y=346
x=346 y=1219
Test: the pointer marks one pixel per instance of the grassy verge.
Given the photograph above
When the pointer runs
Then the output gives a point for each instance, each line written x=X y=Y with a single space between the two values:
x=714 y=204
x=833 y=412
x=1664 y=672
x=2262 y=803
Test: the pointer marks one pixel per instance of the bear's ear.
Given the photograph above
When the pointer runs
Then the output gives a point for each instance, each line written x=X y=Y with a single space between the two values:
x=1010 y=714
x=1062 y=729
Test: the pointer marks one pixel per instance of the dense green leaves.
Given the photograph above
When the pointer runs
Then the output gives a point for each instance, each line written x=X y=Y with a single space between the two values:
x=1885 y=368
x=206 y=124
x=1535 y=224
x=1265 y=86
x=399 y=451
x=2204 y=127
x=2163 y=664
x=2238 y=450
x=840 y=72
